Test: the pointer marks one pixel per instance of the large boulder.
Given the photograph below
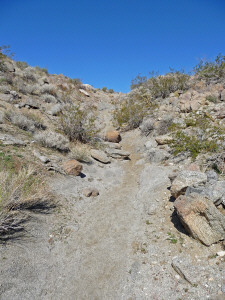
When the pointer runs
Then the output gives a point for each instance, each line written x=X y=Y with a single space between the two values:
x=185 y=179
x=72 y=167
x=113 y=136
x=201 y=218
x=100 y=156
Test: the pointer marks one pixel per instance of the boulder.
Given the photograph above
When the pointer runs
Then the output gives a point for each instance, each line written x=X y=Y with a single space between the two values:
x=201 y=219
x=164 y=139
x=156 y=155
x=186 y=178
x=113 y=136
x=72 y=167
x=100 y=156
x=117 y=153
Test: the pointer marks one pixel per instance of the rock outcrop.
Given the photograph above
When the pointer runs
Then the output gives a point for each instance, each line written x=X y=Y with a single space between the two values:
x=201 y=218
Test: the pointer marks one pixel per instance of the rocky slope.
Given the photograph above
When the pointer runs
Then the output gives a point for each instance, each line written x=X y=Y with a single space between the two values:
x=137 y=218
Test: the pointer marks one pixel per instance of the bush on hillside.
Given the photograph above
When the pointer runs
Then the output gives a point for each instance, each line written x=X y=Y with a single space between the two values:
x=51 y=139
x=163 y=85
x=214 y=70
x=77 y=124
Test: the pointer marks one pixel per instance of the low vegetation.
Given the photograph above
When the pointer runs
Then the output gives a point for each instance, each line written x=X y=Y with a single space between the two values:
x=22 y=188
x=77 y=124
x=211 y=70
x=51 y=139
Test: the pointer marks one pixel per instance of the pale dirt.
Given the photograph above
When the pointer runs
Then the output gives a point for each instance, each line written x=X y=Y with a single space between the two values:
x=114 y=246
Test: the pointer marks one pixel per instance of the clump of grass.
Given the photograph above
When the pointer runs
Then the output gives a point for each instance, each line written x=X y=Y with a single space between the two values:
x=212 y=99
x=80 y=152
x=51 y=139
x=21 y=190
x=172 y=238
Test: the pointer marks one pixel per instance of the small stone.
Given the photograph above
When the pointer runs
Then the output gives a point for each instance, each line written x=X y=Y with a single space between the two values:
x=113 y=136
x=220 y=253
x=72 y=167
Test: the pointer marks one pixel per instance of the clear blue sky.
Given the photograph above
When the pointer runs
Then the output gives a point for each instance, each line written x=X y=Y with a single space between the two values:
x=107 y=43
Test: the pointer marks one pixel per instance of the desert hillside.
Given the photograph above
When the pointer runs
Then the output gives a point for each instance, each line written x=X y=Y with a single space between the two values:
x=106 y=195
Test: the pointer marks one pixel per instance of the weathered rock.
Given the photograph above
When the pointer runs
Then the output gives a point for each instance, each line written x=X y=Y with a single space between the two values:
x=156 y=155
x=215 y=191
x=201 y=218
x=117 y=153
x=8 y=139
x=42 y=158
x=163 y=139
x=150 y=144
x=87 y=87
x=113 y=145
x=84 y=92
x=211 y=175
x=6 y=97
x=113 y=136
x=222 y=96
x=30 y=103
x=72 y=167
x=90 y=192
x=100 y=156
x=186 y=178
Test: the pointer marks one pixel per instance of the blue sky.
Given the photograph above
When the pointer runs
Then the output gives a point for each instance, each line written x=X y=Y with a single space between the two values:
x=107 y=43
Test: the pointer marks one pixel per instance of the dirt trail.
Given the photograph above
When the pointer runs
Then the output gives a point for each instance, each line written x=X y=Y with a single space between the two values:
x=111 y=247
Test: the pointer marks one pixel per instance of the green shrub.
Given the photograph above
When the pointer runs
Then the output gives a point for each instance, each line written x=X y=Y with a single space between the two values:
x=111 y=91
x=183 y=143
x=104 y=89
x=163 y=85
x=211 y=98
x=77 y=124
x=131 y=112
x=211 y=70
x=41 y=70
x=22 y=65
x=76 y=81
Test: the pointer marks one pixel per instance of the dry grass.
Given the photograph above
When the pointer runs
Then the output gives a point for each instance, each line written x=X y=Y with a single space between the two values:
x=80 y=152
x=21 y=191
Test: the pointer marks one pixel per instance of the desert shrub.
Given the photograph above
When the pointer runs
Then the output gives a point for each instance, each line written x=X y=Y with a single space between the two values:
x=138 y=81
x=4 y=53
x=51 y=139
x=49 y=98
x=55 y=109
x=212 y=99
x=104 y=89
x=32 y=89
x=20 y=120
x=163 y=85
x=80 y=152
x=29 y=75
x=22 y=65
x=164 y=125
x=41 y=70
x=77 y=124
x=147 y=126
x=192 y=144
x=111 y=91
x=49 y=89
x=214 y=70
x=37 y=120
x=131 y=112
x=76 y=81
